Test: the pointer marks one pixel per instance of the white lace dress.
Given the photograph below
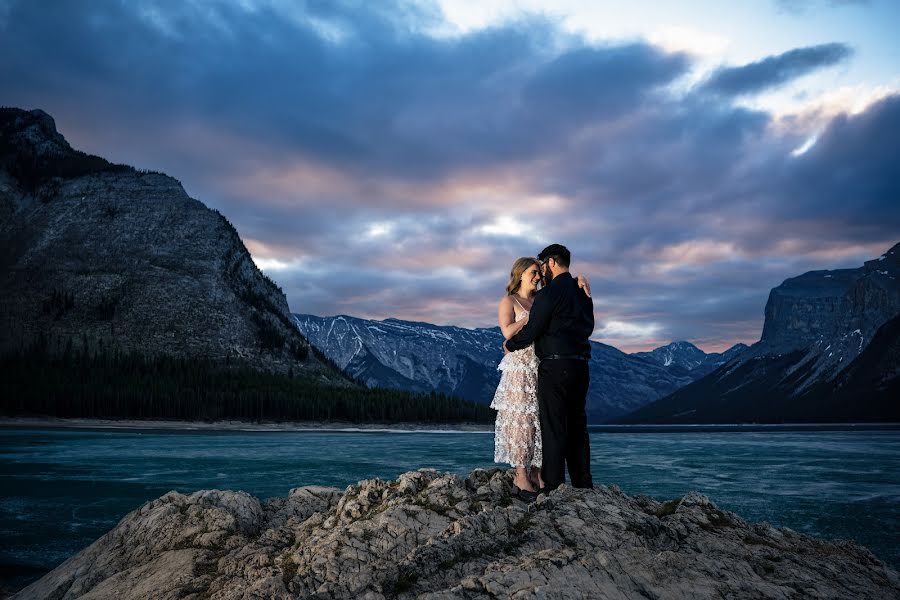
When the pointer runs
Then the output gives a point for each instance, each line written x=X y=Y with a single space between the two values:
x=517 y=430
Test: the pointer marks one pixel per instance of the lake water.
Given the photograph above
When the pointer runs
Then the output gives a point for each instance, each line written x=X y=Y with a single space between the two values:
x=63 y=488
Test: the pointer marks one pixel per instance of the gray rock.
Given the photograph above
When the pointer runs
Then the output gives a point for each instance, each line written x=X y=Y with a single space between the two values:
x=144 y=267
x=433 y=535
x=831 y=315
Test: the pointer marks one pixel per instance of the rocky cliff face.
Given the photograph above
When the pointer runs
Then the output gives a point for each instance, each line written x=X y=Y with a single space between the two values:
x=871 y=383
x=463 y=362
x=831 y=315
x=432 y=536
x=817 y=325
x=112 y=257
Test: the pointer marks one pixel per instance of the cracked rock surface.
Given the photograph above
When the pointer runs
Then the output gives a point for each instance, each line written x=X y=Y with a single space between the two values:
x=434 y=535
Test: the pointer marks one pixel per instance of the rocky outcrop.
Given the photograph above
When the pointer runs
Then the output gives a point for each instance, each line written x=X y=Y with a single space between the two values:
x=422 y=357
x=110 y=257
x=434 y=536
x=818 y=325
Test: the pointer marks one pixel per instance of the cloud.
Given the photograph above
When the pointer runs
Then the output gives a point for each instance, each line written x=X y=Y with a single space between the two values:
x=377 y=99
x=678 y=38
x=619 y=329
x=801 y=6
x=848 y=176
x=775 y=70
x=600 y=82
x=378 y=170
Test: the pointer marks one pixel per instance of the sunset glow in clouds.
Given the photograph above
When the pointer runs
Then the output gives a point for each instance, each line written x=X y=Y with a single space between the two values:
x=392 y=159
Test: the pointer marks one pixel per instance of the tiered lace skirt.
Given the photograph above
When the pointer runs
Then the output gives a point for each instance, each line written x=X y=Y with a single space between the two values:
x=517 y=429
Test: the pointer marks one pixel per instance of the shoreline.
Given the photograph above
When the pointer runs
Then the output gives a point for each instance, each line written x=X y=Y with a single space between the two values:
x=741 y=427
x=247 y=426
x=405 y=427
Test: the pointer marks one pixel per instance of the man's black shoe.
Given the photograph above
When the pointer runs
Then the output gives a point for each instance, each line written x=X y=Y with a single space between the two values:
x=524 y=495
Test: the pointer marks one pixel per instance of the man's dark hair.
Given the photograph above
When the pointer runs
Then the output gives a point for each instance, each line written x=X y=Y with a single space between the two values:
x=557 y=252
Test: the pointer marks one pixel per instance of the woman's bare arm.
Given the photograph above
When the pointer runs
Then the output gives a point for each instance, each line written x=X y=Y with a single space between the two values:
x=507 y=318
x=584 y=284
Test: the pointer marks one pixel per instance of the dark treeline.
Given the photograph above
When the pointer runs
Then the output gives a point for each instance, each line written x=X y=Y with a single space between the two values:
x=73 y=383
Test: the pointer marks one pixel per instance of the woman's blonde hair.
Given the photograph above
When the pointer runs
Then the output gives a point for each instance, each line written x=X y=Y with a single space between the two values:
x=515 y=275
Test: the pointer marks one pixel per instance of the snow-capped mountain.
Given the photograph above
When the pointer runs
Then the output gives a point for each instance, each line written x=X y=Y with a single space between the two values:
x=682 y=355
x=687 y=358
x=409 y=355
x=463 y=362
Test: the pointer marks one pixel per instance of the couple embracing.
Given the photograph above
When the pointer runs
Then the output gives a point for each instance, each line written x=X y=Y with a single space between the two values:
x=546 y=317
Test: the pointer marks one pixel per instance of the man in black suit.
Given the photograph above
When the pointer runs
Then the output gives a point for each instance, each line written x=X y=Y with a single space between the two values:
x=560 y=323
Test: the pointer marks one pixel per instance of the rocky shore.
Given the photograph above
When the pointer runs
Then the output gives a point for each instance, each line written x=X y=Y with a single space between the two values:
x=432 y=535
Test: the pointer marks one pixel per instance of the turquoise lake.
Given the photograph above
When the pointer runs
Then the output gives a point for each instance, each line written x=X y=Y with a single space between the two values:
x=63 y=488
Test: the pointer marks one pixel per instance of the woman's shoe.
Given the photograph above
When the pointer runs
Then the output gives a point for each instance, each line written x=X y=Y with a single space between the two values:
x=524 y=495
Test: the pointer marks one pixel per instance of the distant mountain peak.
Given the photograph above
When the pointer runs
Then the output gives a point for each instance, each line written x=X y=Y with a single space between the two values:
x=681 y=355
x=420 y=356
x=683 y=344
x=886 y=264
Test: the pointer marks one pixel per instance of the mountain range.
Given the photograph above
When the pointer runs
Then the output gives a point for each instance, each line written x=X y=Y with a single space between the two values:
x=463 y=362
x=111 y=257
x=829 y=351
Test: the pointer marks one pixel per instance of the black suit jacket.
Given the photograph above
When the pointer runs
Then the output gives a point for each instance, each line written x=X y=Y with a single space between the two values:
x=561 y=320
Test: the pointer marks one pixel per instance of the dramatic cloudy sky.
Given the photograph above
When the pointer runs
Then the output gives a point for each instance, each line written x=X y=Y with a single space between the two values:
x=393 y=158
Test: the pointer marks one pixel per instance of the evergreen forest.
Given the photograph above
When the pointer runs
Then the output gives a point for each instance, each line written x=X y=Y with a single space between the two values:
x=115 y=385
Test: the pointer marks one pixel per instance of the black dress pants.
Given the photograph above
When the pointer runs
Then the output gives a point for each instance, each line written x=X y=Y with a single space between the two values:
x=562 y=393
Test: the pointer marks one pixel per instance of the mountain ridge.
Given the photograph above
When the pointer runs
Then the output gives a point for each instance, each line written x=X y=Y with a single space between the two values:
x=420 y=356
x=817 y=326
x=688 y=358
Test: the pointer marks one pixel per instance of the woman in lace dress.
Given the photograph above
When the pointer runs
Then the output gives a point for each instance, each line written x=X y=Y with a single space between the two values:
x=517 y=430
